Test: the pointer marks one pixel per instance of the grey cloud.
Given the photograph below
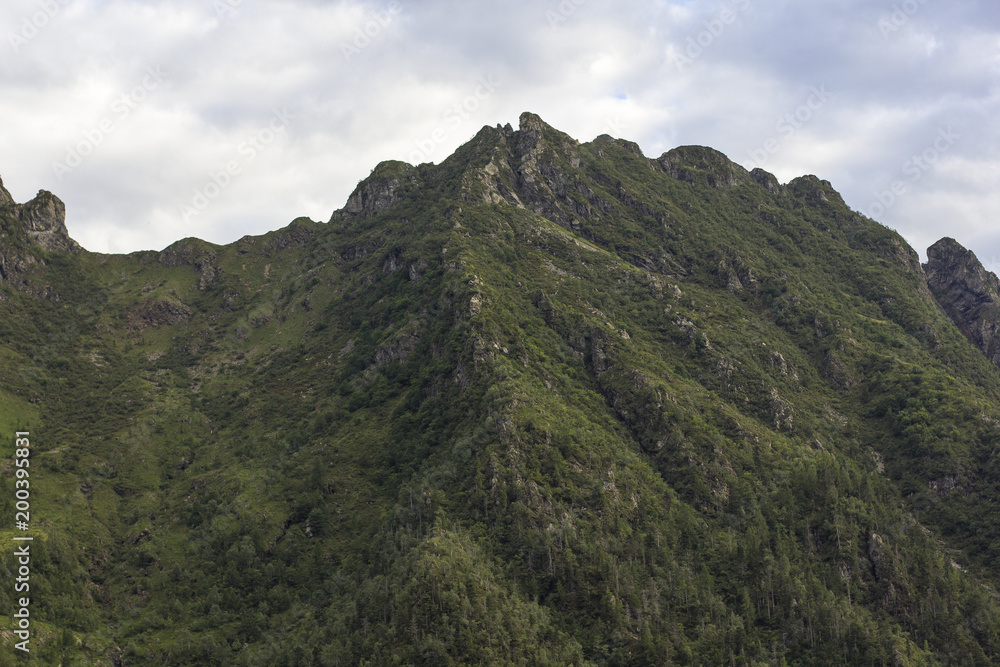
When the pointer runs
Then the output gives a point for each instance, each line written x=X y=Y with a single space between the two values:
x=587 y=66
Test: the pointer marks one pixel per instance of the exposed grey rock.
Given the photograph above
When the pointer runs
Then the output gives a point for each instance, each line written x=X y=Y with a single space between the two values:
x=5 y=198
x=766 y=180
x=142 y=316
x=383 y=189
x=193 y=253
x=814 y=190
x=702 y=165
x=295 y=235
x=540 y=183
x=603 y=142
x=539 y=168
x=44 y=219
x=968 y=294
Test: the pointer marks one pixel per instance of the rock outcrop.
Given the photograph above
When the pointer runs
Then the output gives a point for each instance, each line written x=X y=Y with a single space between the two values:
x=814 y=191
x=142 y=316
x=766 y=180
x=968 y=293
x=5 y=198
x=381 y=190
x=539 y=168
x=44 y=219
x=25 y=231
x=194 y=253
x=700 y=165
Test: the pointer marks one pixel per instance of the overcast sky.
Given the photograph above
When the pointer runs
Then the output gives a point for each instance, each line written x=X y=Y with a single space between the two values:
x=160 y=119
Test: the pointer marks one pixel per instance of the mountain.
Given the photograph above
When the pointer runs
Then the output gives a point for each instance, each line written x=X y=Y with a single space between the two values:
x=545 y=403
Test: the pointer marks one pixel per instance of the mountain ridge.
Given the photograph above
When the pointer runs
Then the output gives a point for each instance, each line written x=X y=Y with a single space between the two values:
x=546 y=402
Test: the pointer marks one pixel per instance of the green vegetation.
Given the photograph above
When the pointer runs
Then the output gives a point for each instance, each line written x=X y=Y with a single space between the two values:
x=546 y=403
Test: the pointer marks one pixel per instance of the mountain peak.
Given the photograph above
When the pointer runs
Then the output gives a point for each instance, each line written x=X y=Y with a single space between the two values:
x=382 y=189
x=530 y=122
x=967 y=292
x=44 y=219
x=814 y=190
x=702 y=165
x=545 y=170
x=535 y=133
x=5 y=198
x=949 y=247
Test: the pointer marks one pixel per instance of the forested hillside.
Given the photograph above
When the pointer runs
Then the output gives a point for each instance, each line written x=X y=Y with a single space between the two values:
x=545 y=403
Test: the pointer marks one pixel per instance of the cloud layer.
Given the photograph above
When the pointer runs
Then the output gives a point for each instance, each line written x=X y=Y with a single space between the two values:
x=160 y=119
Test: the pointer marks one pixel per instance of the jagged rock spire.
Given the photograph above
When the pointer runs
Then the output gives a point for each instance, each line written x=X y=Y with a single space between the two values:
x=44 y=219
x=5 y=198
x=968 y=293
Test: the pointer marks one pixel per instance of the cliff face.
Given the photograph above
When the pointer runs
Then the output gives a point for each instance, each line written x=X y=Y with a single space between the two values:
x=968 y=293
x=27 y=231
x=5 y=198
x=384 y=188
x=44 y=219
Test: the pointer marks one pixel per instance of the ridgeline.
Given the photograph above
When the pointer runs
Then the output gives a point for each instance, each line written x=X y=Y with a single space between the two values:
x=545 y=403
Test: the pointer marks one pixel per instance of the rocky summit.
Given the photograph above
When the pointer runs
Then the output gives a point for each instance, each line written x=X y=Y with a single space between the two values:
x=968 y=293
x=5 y=198
x=544 y=403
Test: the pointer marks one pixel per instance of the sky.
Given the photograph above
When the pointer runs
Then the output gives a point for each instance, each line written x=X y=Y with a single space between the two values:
x=156 y=120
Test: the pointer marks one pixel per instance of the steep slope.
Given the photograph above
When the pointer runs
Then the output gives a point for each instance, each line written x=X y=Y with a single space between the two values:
x=544 y=403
